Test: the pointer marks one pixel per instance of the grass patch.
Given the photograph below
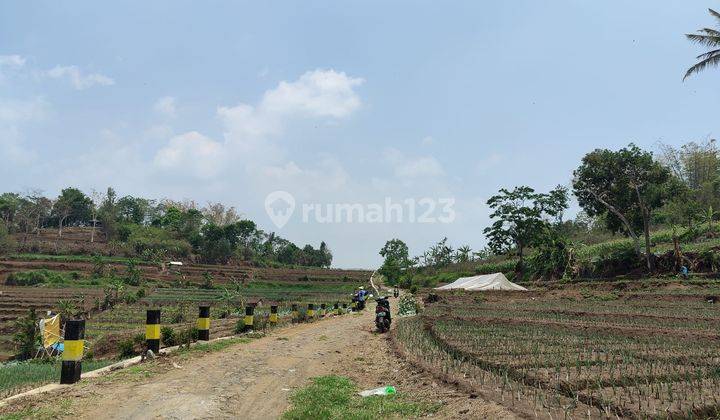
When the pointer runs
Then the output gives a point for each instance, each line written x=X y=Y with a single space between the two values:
x=17 y=376
x=335 y=397
x=45 y=412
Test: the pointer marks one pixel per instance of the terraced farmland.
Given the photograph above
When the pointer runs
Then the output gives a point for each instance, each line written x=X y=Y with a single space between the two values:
x=563 y=356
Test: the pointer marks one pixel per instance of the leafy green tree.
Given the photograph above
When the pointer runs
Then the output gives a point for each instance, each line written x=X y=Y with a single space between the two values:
x=625 y=186
x=709 y=38
x=9 y=205
x=520 y=216
x=463 y=254
x=108 y=213
x=132 y=210
x=6 y=242
x=72 y=206
x=397 y=260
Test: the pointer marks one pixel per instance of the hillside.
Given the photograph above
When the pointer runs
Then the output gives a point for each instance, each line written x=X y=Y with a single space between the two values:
x=699 y=251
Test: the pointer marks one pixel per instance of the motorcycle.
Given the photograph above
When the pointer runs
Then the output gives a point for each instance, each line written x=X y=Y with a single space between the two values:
x=382 y=315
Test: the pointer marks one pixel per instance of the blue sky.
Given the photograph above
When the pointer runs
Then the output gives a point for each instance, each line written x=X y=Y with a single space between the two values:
x=341 y=102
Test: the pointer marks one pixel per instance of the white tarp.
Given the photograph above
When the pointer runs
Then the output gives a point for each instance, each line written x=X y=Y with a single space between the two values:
x=496 y=281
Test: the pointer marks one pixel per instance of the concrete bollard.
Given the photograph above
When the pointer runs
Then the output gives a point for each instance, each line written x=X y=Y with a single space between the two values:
x=344 y=308
x=273 y=314
x=249 y=319
x=322 y=310
x=152 y=330
x=337 y=308
x=73 y=352
x=203 y=323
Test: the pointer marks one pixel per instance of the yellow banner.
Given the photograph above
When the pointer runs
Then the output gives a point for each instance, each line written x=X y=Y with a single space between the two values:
x=152 y=332
x=51 y=331
x=273 y=318
x=248 y=320
x=73 y=350
x=203 y=323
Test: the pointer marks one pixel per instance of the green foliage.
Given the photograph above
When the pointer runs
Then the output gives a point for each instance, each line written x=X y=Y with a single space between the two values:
x=207 y=281
x=397 y=260
x=624 y=187
x=708 y=38
x=26 y=337
x=145 y=240
x=126 y=348
x=133 y=275
x=335 y=397
x=18 y=376
x=520 y=216
x=168 y=336
x=551 y=257
x=71 y=207
x=7 y=245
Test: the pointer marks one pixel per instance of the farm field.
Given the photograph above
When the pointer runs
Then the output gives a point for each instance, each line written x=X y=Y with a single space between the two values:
x=569 y=355
x=86 y=282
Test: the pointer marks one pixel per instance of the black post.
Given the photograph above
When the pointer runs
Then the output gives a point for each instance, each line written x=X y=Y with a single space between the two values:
x=322 y=310
x=73 y=352
x=203 y=323
x=337 y=308
x=152 y=330
x=295 y=313
x=249 y=318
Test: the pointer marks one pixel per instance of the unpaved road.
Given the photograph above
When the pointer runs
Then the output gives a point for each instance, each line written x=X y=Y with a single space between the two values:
x=254 y=380
x=250 y=380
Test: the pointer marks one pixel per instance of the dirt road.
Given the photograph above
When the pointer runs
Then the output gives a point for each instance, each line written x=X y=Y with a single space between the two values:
x=254 y=380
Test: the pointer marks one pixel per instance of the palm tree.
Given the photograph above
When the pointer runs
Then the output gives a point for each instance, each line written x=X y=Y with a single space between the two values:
x=708 y=38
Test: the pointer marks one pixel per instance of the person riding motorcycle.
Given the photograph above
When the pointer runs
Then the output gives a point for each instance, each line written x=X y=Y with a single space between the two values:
x=383 y=318
x=361 y=297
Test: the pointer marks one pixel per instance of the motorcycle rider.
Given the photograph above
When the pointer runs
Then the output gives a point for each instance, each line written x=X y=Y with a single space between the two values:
x=382 y=301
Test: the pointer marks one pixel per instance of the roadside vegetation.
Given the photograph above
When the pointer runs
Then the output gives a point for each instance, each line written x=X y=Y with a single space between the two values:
x=335 y=397
x=641 y=214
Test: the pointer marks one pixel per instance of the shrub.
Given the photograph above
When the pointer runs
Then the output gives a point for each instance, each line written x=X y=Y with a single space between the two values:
x=27 y=336
x=126 y=348
x=168 y=336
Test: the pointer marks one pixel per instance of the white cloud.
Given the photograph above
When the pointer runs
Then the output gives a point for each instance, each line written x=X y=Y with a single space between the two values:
x=412 y=167
x=319 y=93
x=76 y=77
x=12 y=61
x=165 y=106
x=249 y=130
x=192 y=153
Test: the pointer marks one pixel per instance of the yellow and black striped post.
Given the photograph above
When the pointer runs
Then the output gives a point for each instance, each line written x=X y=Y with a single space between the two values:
x=354 y=306
x=322 y=310
x=73 y=352
x=311 y=310
x=203 y=323
x=295 y=313
x=249 y=319
x=344 y=306
x=273 y=314
x=152 y=330
x=337 y=308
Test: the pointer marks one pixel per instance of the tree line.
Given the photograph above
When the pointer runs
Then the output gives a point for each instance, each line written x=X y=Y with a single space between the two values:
x=153 y=229
x=628 y=192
